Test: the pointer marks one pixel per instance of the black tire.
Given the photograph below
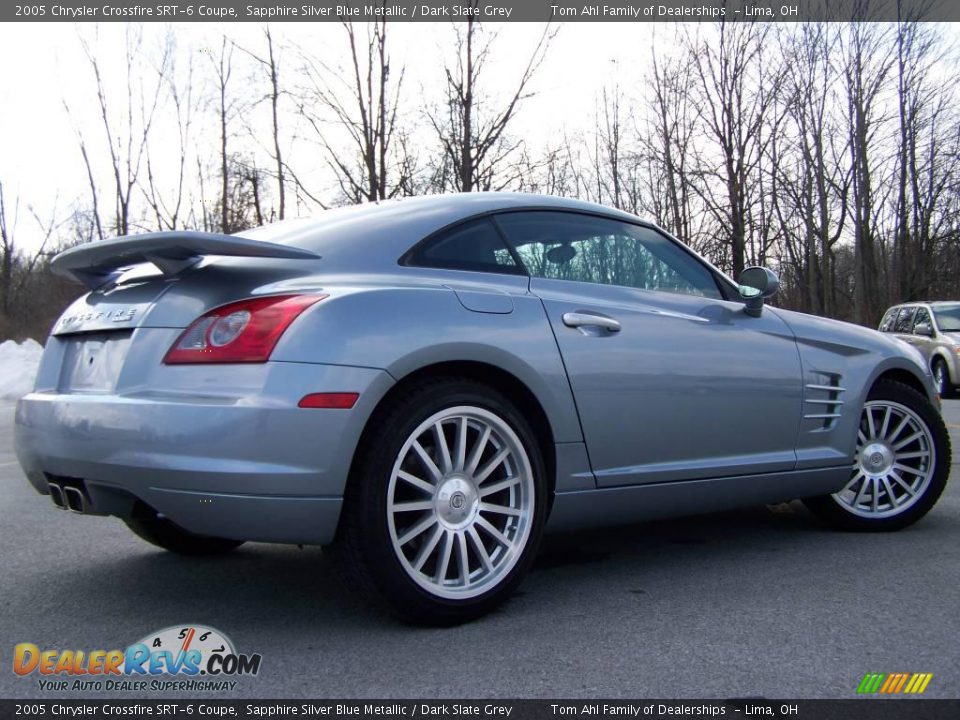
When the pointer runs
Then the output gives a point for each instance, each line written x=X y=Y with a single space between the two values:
x=838 y=514
x=941 y=377
x=364 y=541
x=167 y=535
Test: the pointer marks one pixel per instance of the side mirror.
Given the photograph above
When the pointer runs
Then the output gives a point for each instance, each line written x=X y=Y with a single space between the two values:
x=757 y=284
x=923 y=329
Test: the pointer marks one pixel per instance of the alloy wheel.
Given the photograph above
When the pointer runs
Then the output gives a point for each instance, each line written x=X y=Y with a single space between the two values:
x=894 y=463
x=460 y=502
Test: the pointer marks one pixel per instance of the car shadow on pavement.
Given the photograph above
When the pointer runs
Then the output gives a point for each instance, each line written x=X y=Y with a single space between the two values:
x=727 y=532
x=294 y=587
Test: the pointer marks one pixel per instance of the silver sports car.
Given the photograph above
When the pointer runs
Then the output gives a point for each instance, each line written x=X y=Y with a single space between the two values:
x=429 y=384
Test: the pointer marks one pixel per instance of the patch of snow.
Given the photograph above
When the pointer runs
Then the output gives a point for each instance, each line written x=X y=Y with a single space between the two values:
x=18 y=367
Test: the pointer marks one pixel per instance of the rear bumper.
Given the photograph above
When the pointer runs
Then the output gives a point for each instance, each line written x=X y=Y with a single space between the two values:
x=250 y=466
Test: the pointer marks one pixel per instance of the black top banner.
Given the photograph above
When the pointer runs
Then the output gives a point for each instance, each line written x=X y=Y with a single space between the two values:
x=493 y=10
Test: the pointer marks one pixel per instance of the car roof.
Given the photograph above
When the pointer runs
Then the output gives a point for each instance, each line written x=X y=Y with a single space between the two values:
x=374 y=235
x=931 y=303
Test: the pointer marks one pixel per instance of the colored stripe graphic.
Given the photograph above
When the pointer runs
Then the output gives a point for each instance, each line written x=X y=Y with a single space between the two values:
x=894 y=683
x=903 y=681
x=871 y=682
x=890 y=683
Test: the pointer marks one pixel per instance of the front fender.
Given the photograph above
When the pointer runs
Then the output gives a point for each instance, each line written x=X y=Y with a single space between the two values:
x=950 y=360
x=852 y=358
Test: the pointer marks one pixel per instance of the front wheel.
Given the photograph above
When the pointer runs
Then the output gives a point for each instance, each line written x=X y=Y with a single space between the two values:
x=900 y=467
x=446 y=504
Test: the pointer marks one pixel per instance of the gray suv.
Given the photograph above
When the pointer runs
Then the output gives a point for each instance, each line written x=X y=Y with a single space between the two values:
x=934 y=329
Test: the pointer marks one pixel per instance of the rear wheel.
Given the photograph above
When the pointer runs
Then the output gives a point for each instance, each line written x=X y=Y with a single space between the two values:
x=446 y=504
x=170 y=536
x=900 y=467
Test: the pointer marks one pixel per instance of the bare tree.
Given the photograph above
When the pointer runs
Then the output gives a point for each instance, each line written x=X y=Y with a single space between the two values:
x=363 y=100
x=8 y=250
x=813 y=175
x=97 y=222
x=223 y=69
x=271 y=66
x=867 y=63
x=667 y=139
x=470 y=126
x=127 y=136
x=737 y=112
x=167 y=204
x=927 y=160
x=22 y=274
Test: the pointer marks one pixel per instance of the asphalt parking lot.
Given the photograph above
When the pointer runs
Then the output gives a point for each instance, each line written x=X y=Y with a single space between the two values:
x=759 y=602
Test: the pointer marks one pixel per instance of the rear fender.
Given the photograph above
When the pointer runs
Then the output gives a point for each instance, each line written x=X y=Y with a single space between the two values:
x=402 y=330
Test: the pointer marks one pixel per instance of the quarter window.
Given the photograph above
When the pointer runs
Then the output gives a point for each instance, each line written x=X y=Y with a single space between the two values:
x=475 y=245
x=584 y=248
x=889 y=320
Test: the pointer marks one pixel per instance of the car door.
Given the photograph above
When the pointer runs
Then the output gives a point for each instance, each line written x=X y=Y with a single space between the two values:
x=671 y=381
x=923 y=342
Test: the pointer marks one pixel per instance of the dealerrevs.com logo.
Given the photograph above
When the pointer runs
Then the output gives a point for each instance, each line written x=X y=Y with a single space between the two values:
x=180 y=657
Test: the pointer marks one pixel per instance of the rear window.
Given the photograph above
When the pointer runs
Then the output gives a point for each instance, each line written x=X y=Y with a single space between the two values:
x=474 y=245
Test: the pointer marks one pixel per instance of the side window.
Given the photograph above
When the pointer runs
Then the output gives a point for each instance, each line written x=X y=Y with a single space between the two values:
x=905 y=320
x=887 y=324
x=921 y=317
x=474 y=245
x=584 y=248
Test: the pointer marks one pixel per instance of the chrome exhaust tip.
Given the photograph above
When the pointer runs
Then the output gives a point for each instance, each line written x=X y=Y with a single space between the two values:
x=74 y=499
x=56 y=494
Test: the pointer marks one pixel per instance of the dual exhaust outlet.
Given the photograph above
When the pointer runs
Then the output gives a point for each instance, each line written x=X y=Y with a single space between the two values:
x=69 y=497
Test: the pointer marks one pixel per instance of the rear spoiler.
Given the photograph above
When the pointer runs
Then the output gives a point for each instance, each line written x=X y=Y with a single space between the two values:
x=97 y=263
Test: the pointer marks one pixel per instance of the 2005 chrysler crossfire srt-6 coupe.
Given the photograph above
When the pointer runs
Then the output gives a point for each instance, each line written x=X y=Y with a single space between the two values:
x=428 y=384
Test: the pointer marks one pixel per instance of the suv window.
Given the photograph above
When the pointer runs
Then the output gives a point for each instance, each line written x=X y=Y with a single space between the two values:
x=886 y=325
x=585 y=248
x=905 y=320
x=474 y=245
x=921 y=317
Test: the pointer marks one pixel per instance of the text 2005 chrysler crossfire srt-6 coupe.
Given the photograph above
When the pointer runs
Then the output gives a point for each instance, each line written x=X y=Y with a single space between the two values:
x=428 y=384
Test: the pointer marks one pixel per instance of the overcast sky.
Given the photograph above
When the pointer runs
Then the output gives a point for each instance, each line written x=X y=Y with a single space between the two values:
x=44 y=64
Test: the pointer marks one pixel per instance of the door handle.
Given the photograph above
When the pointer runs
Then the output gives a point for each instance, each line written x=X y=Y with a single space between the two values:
x=582 y=319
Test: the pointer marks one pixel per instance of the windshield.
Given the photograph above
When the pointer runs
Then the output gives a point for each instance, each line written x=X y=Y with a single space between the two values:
x=948 y=318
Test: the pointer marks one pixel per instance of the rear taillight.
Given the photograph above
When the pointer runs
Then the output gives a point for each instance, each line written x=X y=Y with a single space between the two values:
x=241 y=332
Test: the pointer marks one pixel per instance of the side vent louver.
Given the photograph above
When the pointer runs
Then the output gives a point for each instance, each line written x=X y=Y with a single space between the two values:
x=822 y=401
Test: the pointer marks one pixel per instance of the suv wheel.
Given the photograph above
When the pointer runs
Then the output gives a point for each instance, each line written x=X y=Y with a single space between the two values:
x=941 y=377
